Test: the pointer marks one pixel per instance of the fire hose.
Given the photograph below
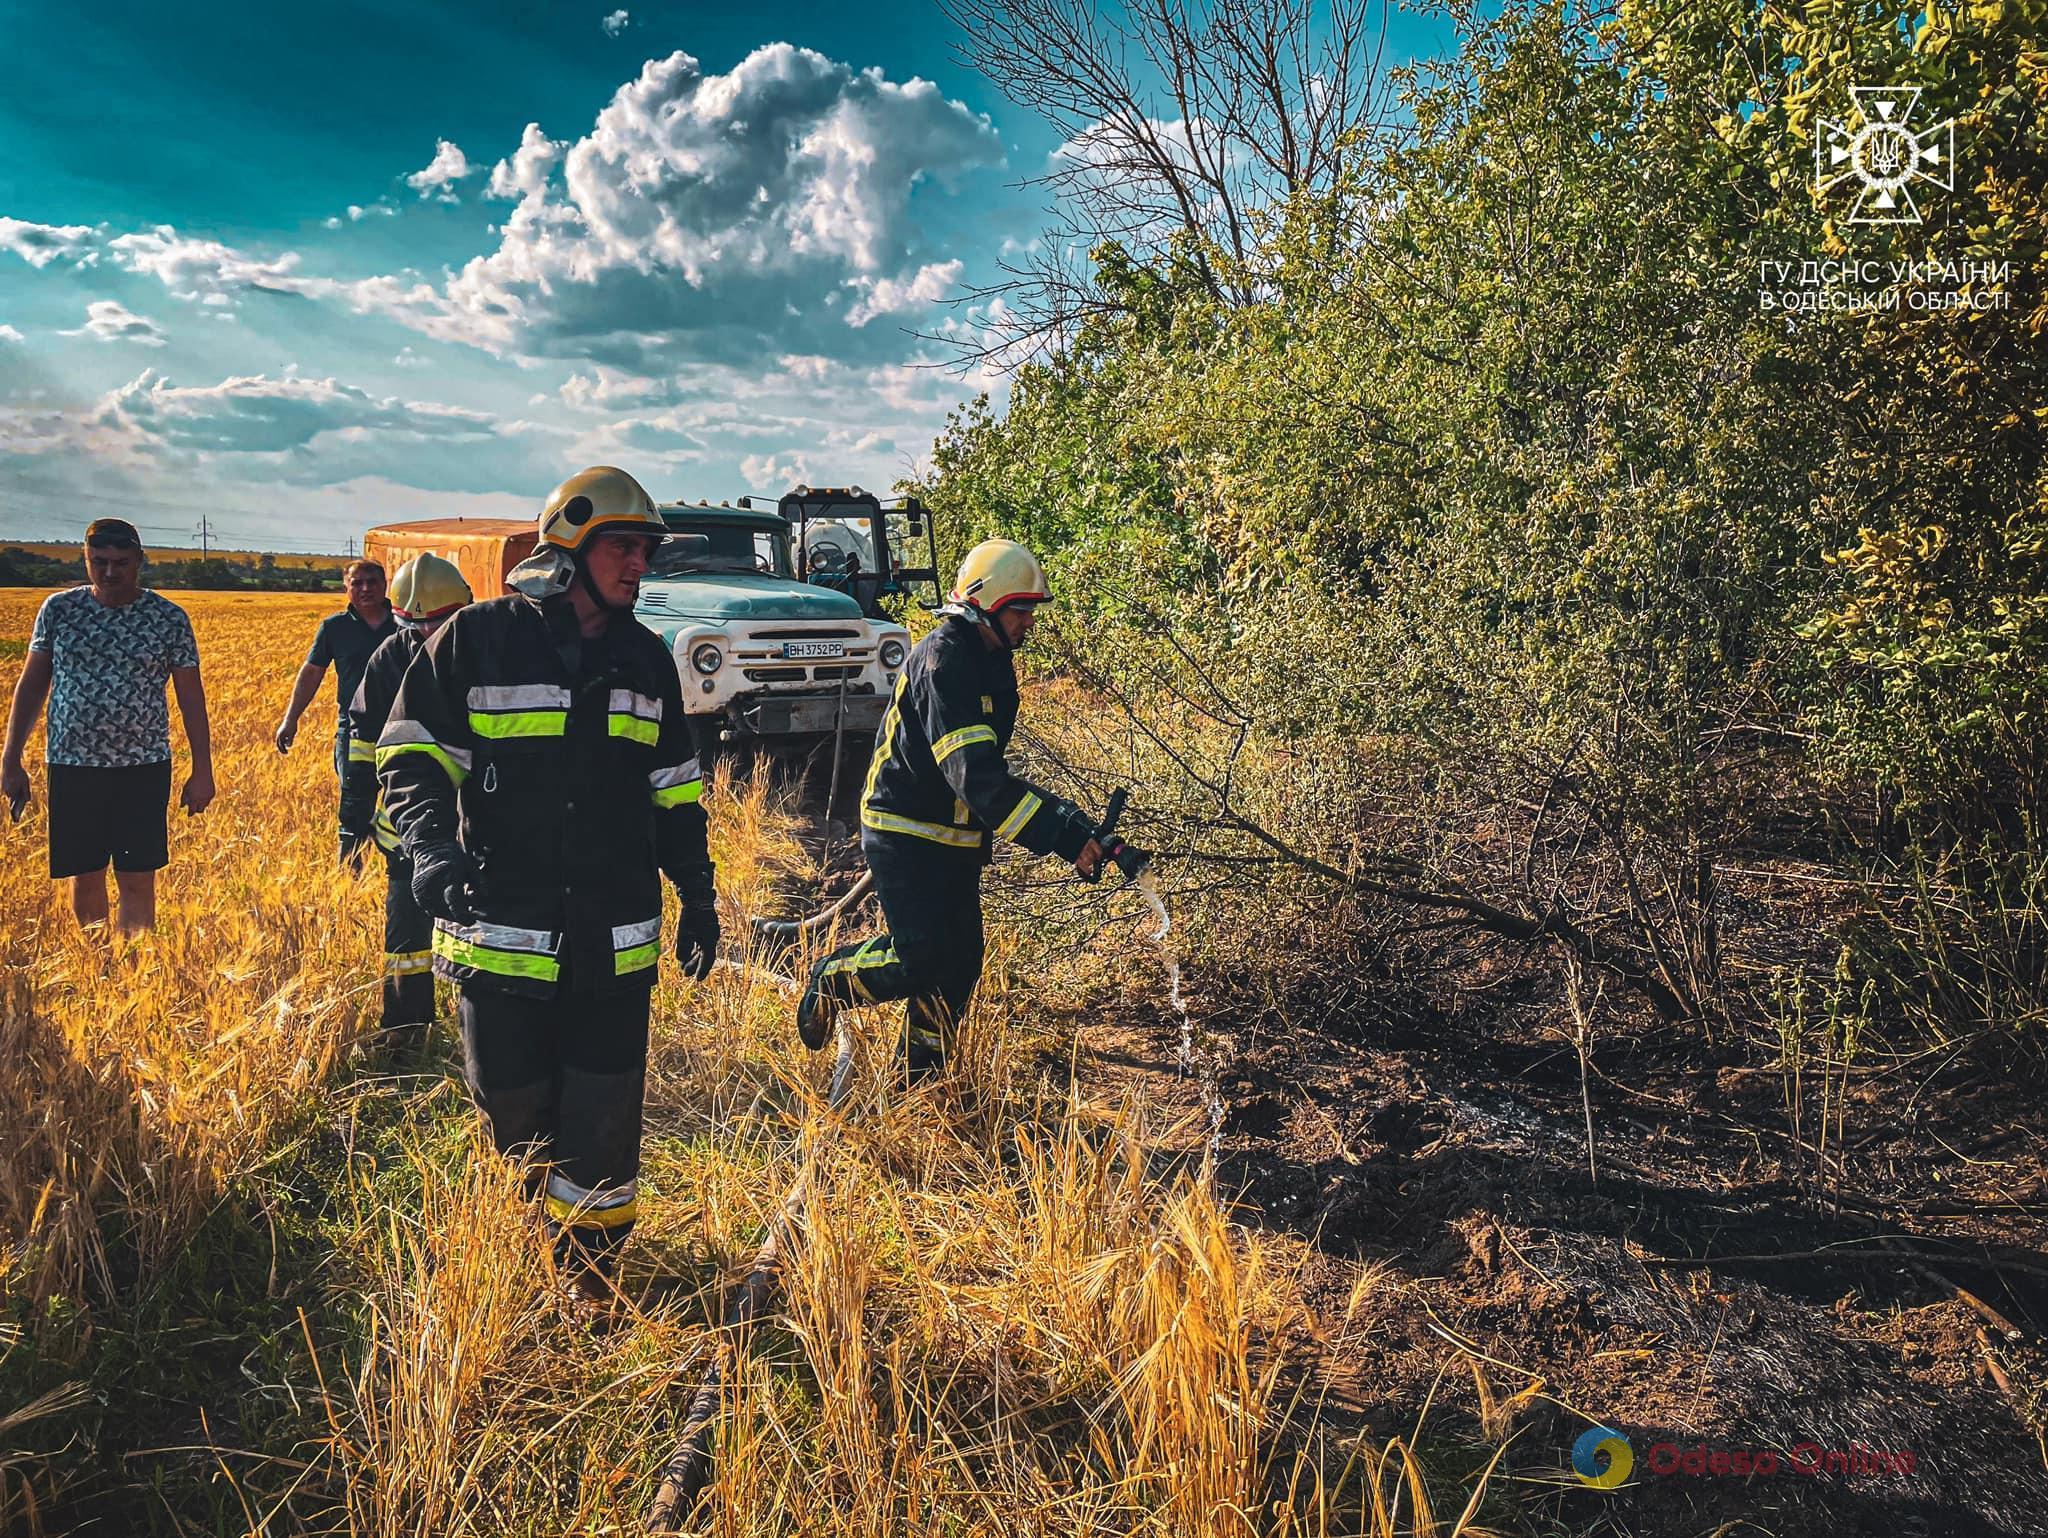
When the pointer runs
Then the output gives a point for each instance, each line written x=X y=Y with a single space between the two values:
x=787 y=931
x=688 y=1469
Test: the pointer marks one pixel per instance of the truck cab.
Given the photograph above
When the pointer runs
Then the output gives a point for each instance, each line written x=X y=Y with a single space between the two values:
x=764 y=655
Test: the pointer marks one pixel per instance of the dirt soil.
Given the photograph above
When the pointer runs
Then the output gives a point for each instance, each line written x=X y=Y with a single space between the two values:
x=1701 y=1287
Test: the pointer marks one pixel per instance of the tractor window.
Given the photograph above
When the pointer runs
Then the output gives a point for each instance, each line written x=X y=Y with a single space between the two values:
x=713 y=547
x=835 y=549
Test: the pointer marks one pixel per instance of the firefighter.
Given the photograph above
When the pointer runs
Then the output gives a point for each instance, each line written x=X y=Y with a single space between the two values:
x=541 y=773
x=425 y=591
x=938 y=793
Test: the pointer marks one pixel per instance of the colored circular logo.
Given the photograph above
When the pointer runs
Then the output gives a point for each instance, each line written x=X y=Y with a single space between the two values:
x=1602 y=1457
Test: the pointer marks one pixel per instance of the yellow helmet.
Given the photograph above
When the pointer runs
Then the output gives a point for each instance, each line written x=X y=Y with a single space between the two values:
x=602 y=497
x=427 y=587
x=998 y=572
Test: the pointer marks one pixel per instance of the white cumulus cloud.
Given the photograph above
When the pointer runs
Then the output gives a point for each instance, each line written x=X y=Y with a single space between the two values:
x=887 y=296
x=292 y=430
x=805 y=366
x=257 y=414
x=615 y=23
x=108 y=320
x=610 y=389
x=440 y=174
x=41 y=244
x=358 y=212
x=9 y=334
x=775 y=472
x=729 y=210
x=207 y=270
x=525 y=173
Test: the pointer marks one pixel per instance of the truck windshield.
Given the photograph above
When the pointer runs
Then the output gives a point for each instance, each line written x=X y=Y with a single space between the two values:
x=708 y=547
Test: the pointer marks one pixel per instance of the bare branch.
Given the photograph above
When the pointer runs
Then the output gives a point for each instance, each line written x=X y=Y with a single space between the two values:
x=1183 y=124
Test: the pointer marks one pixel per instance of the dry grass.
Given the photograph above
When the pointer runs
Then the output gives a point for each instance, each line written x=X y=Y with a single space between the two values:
x=999 y=1318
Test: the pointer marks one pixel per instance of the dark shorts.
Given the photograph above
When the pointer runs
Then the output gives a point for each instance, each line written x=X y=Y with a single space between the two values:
x=99 y=816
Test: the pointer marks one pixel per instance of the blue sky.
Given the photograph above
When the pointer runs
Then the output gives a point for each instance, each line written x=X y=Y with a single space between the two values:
x=307 y=269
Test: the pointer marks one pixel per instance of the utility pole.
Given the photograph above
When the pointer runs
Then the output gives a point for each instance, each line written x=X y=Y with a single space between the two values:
x=348 y=547
x=205 y=533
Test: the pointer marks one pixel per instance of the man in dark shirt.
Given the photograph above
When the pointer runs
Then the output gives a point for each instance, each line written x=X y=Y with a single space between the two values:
x=345 y=640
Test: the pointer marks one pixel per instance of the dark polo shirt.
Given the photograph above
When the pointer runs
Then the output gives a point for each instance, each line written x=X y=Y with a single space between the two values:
x=344 y=642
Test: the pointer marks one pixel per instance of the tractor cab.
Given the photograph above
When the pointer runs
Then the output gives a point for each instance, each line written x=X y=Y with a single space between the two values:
x=878 y=553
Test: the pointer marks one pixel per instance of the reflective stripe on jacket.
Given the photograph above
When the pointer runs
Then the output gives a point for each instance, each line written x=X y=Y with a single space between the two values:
x=567 y=769
x=938 y=773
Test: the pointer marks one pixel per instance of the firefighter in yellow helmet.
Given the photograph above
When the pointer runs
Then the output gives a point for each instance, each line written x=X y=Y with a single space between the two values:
x=541 y=772
x=938 y=793
x=424 y=592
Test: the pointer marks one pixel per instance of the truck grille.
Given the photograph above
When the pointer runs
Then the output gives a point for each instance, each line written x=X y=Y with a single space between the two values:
x=759 y=653
x=796 y=673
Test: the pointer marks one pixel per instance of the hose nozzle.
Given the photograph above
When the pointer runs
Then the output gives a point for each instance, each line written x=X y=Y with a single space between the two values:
x=1128 y=858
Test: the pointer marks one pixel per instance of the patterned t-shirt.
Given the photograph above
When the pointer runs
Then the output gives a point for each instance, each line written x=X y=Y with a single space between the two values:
x=108 y=668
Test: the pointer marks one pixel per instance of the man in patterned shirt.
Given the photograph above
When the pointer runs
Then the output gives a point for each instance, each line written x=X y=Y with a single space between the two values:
x=101 y=655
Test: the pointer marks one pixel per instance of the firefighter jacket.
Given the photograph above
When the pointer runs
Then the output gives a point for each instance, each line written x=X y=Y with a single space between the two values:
x=361 y=810
x=567 y=771
x=938 y=774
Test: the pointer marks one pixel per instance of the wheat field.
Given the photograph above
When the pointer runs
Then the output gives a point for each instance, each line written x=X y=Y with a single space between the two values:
x=255 y=1282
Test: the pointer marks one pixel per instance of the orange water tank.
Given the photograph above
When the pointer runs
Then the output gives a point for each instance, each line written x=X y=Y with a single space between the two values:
x=485 y=548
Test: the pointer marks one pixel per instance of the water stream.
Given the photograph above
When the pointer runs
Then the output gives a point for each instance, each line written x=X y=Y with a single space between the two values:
x=1196 y=1056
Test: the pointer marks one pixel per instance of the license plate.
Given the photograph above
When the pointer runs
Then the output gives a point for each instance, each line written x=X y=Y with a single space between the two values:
x=794 y=649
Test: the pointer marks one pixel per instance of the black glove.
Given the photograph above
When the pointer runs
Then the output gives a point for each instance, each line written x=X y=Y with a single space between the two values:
x=1072 y=828
x=697 y=933
x=358 y=801
x=444 y=882
x=697 y=939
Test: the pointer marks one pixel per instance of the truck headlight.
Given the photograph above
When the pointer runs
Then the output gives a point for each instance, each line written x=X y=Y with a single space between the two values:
x=707 y=659
x=892 y=654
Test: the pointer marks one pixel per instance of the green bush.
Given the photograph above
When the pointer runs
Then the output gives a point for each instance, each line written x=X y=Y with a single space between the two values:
x=1507 y=492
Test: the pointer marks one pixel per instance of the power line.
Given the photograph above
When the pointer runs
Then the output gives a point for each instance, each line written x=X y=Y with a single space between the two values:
x=228 y=538
x=127 y=505
x=227 y=541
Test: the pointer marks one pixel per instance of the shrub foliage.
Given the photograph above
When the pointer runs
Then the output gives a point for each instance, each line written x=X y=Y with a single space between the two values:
x=1492 y=472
